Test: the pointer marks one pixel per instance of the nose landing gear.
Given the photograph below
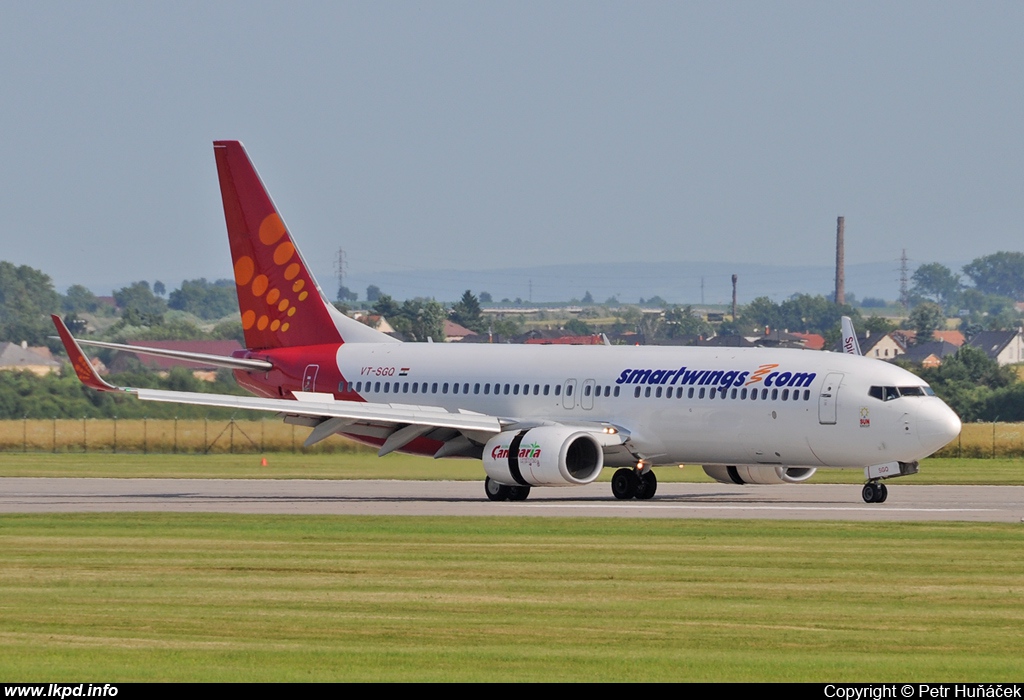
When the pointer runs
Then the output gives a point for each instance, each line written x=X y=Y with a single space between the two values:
x=874 y=492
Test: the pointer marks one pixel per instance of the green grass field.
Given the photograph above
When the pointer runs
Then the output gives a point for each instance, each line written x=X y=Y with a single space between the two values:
x=208 y=597
x=142 y=597
x=366 y=465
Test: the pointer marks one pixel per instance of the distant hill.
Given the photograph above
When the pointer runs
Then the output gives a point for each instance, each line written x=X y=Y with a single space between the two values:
x=629 y=281
x=676 y=282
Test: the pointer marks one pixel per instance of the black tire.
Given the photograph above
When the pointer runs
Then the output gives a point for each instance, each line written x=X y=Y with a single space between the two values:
x=868 y=493
x=496 y=491
x=648 y=486
x=624 y=484
x=881 y=493
x=518 y=493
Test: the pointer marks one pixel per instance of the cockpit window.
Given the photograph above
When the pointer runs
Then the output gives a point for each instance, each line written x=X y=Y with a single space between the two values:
x=889 y=393
x=884 y=393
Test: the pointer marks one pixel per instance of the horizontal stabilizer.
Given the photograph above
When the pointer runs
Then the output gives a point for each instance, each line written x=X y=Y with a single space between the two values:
x=196 y=357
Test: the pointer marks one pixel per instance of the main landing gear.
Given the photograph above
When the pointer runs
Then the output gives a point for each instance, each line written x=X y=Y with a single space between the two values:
x=504 y=492
x=874 y=492
x=631 y=483
x=626 y=483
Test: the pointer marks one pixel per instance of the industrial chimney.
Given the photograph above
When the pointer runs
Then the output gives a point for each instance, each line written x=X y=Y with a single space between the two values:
x=734 y=278
x=840 y=263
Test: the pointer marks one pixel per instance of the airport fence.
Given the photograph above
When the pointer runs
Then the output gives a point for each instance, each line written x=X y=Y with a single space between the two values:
x=163 y=436
x=986 y=440
x=220 y=436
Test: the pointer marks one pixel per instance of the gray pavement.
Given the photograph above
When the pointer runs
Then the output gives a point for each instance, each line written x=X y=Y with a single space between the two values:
x=461 y=498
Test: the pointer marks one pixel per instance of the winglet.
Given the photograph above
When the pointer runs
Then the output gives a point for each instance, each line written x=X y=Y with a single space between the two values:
x=850 y=344
x=83 y=368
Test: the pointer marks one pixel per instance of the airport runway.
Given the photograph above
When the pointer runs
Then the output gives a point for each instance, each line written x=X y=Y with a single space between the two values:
x=461 y=498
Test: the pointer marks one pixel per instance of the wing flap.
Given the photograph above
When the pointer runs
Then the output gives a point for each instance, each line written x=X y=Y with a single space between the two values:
x=402 y=437
x=326 y=429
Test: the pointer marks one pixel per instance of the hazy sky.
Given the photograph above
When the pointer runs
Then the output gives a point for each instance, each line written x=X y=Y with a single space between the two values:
x=488 y=135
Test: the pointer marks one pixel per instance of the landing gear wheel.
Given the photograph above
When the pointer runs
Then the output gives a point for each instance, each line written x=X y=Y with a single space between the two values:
x=874 y=493
x=518 y=493
x=496 y=491
x=624 y=484
x=648 y=484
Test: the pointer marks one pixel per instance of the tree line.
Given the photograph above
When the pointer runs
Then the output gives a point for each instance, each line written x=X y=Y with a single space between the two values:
x=988 y=303
x=982 y=295
x=61 y=395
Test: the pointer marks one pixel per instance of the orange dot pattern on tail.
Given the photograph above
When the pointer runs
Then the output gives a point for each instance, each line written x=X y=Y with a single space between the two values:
x=268 y=304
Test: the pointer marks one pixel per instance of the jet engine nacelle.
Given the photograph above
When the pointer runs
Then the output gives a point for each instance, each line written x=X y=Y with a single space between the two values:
x=544 y=456
x=759 y=475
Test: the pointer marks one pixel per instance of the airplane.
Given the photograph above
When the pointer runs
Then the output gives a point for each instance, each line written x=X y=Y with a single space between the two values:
x=544 y=415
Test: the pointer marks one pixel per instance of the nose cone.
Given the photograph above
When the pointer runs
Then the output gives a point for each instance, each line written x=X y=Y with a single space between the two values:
x=938 y=425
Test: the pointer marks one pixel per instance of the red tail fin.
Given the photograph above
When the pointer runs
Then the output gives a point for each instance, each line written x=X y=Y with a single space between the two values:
x=280 y=302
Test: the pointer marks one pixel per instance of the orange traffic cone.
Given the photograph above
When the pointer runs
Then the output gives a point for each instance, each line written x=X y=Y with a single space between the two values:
x=263 y=462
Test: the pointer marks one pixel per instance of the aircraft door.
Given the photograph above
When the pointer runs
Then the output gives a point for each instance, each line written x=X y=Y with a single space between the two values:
x=587 y=395
x=309 y=377
x=569 y=394
x=828 y=398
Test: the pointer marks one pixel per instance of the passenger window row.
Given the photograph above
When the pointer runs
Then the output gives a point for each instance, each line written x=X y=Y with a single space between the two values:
x=477 y=388
x=718 y=392
x=451 y=388
x=608 y=390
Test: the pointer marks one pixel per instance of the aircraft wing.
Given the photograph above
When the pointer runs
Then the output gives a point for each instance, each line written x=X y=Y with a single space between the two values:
x=324 y=405
x=335 y=414
x=395 y=424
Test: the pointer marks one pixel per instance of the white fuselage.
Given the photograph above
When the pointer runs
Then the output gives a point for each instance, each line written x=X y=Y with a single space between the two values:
x=727 y=406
